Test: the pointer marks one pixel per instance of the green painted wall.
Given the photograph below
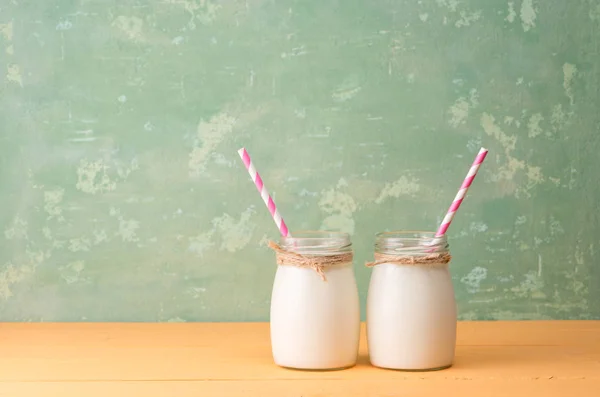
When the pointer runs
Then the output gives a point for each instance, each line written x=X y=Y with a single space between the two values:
x=122 y=196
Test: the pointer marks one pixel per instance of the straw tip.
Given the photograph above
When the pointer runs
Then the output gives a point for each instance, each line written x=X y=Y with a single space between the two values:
x=482 y=150
x=241 y=151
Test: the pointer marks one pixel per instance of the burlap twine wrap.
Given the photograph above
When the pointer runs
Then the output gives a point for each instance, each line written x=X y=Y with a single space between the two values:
x=316 y=262
x=432 y=259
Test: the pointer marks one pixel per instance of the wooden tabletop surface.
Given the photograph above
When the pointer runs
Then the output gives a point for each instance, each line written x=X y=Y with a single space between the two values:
x=529 y=358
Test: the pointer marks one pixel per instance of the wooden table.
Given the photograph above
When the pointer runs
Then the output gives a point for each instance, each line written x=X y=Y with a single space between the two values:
x=554 y=358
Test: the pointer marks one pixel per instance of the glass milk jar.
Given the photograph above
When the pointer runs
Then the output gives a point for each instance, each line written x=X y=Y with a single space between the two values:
x=315 y=312
x=411 y=308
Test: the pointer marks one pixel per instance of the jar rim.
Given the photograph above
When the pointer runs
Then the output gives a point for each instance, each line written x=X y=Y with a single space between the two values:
x=408 y=234
x=324 y=242
x=316 y=234
x=410 y=242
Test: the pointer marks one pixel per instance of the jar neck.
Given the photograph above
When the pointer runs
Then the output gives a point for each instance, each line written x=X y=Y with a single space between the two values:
x=317 y=243
x=410 y=243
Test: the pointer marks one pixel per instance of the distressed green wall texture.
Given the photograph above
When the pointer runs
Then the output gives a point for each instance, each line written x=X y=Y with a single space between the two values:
x=122 y=196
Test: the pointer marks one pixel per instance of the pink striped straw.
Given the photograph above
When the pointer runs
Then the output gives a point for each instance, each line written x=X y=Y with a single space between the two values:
x=263 y=192
x=461 y=193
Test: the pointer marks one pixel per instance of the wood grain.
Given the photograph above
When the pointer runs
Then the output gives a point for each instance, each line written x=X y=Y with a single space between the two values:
x=234 y=359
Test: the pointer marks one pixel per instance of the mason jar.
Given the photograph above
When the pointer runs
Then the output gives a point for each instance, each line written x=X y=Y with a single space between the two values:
x=411 y=308
x=315 y=312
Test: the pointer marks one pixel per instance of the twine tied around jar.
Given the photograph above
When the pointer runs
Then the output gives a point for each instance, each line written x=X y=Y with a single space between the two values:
x=316 y=262
x=431 y=259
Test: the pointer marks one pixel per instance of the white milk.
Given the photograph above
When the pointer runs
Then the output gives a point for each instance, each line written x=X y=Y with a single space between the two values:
x=411 y=316
x=315 y=324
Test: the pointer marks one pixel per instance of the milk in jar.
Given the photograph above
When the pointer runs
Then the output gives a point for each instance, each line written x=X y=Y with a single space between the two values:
x=411 y=307
x=315 y=312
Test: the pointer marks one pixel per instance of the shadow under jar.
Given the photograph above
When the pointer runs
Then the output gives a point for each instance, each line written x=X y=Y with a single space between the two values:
x=411 y=307
x=315 y=312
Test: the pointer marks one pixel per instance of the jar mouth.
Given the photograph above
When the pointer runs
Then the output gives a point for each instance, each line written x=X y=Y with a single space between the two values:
x=317 y=242
x=410 y=242
x=407 y=234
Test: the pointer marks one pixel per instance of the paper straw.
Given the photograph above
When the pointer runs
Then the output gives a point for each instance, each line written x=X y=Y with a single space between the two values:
x=263 y=192
x=461 y=193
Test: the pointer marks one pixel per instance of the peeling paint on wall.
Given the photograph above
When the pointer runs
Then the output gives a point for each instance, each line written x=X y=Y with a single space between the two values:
x=528 y=15
x=92 y=177
x=339 y=208
x=209 y=136
x=404 y=186
x=569 y=71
